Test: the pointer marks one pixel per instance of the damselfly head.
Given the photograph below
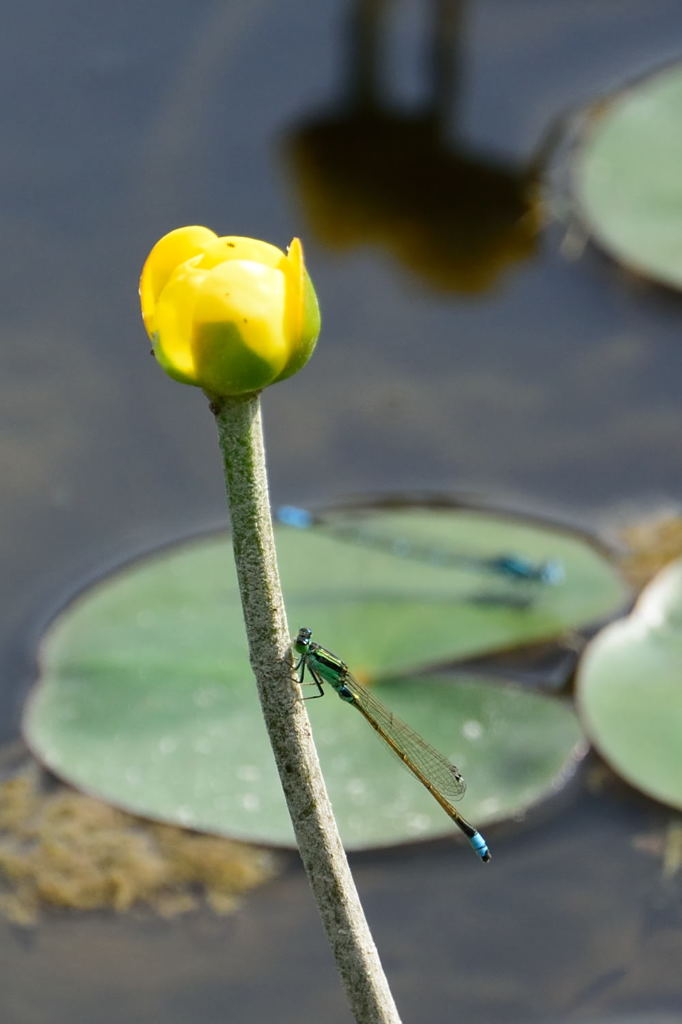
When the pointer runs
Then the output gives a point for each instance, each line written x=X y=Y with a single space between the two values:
x=302 y=640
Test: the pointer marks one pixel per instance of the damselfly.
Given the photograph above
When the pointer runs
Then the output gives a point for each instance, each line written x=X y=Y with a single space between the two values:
x=508 y=565
x=442 y=779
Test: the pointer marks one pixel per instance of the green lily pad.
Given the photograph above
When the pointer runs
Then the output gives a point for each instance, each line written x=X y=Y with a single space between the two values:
x=627 y=177
x=194 y=751
x=146 y=697
x=630 y=690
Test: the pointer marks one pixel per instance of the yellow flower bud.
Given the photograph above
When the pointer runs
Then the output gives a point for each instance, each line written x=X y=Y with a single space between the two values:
x=229 y=315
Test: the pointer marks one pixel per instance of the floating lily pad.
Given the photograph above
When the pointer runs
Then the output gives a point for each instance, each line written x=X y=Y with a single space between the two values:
x=146 y=697
x=627 y=177
x=630 y=690
x=194 y=751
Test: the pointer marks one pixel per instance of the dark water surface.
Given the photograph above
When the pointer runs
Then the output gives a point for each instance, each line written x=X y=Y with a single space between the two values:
x=460 y=352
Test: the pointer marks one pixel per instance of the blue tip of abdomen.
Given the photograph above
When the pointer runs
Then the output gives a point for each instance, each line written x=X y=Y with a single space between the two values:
x=552 y=572
x=479 y=844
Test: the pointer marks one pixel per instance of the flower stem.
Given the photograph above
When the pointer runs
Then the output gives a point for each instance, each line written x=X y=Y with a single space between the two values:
x=241 y=442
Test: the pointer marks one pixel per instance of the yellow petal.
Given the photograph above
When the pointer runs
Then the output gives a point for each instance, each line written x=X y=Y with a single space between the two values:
x=239 y=344
x=234 y=247
x=174 y=318
x=170 y=251
x=295 y=271
x=302 y=312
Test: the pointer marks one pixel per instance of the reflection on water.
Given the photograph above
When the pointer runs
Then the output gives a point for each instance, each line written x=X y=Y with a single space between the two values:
x=371 y=172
